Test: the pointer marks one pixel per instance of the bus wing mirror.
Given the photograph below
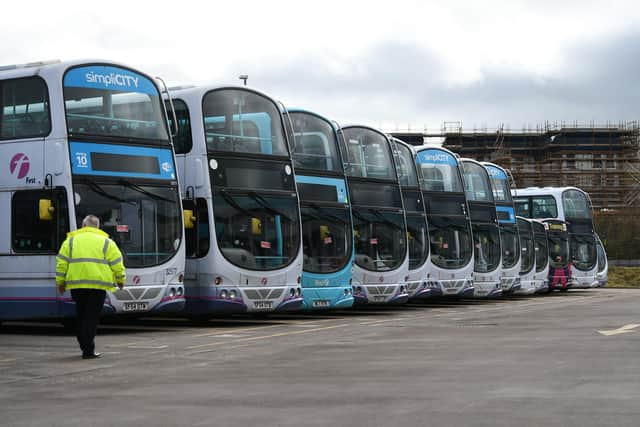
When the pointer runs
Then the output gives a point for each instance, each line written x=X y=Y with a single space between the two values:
x=45 y=210
x=189 y=219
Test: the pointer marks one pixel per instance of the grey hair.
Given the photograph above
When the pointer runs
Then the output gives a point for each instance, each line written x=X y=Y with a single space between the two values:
x=91 y=221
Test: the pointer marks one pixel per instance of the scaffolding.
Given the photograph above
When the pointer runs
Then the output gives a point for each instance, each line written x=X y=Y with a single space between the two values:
x=601 y=159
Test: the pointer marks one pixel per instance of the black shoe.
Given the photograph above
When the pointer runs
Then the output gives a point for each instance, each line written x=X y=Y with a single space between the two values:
x=93 y=355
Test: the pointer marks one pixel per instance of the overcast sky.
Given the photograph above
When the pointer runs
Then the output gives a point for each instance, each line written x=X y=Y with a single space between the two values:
x=389 y=64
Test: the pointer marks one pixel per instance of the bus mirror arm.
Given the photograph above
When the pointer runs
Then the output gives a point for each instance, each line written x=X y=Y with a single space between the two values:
x=174 y=133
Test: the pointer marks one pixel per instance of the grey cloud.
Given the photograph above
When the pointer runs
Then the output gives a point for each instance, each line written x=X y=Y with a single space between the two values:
x=403 y=83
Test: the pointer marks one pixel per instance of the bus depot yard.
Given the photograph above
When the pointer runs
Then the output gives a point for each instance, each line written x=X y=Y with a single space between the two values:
x=565 y=359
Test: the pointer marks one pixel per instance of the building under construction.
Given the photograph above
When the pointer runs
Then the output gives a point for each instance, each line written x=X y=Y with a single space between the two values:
x=602 y=160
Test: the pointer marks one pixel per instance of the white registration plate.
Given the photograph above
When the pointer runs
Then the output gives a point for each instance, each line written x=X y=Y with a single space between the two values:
x=135 y=306
x=262 y=305
x=379 y=298
x=321 y=303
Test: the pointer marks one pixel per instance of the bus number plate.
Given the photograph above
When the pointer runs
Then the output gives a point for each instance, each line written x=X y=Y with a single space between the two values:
x=321 y=303
x=379 y=298
x=135 y=306
x=262 y=305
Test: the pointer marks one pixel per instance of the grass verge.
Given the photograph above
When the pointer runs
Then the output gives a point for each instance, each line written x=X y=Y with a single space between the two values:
x=624 y=277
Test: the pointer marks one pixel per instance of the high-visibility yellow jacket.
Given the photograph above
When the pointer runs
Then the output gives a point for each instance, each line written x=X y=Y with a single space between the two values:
x=89 y=259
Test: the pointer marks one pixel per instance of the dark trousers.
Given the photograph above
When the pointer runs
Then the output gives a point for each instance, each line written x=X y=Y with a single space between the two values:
x=89 y=304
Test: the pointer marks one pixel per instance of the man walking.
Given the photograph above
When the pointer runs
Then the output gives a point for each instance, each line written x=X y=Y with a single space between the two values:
x=89 y=264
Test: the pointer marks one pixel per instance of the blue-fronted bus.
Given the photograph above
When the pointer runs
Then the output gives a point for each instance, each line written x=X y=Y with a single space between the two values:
x=419 y=284
x=79 y=138
x=510 y=277
x=484 y=226
x=243 y=232
x=447 y=211
x=327 y=238
x=379 y=228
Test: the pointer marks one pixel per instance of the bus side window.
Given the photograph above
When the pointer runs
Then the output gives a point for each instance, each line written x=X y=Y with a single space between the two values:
x=197 y=238
x=24 y=108
x=182 y=142
x=31 y=234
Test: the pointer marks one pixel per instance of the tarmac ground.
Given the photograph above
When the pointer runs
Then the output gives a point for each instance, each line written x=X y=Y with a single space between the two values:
x=566 y=359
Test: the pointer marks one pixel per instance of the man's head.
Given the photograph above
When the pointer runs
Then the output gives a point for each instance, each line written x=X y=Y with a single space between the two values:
x=91 y=221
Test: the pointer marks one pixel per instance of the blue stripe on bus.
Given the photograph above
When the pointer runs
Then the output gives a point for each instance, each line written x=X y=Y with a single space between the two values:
x=338 y=183
x=109 y=78
x=81 y=159
x=510 y=211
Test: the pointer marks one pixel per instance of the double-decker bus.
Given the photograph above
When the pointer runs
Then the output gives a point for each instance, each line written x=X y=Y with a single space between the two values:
x=243 y=224
x=484 y=227
x=86 y=137
x=560 y=266
x=602 y=275
x=573 y=206
x=527 y=257
x=327 y=239
x=541 y=276
x=450 y=236
x=379 y=228
x=506 y=214
x=419 y=284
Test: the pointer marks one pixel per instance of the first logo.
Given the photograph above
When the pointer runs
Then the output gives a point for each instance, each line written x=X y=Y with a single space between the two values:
x=19 y=165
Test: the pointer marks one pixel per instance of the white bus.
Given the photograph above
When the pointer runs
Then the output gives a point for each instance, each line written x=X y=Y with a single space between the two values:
x=573 y=206
x=419 y=284
x=243 y=231
x=527 y=257
x=541 y=243
x=487 y=253
x=79 y=138
x=379 y=227
x=603 y=264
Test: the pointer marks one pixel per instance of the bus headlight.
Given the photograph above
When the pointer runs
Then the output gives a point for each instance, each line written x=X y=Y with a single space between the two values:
x=223 y=294
x=172 y=292
x=232 y=294
x=292 y=292
x=180 y=291
x=298 y=292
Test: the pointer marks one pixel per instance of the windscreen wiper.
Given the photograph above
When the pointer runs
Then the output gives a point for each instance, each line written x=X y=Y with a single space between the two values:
x=98 y=189
x=143 y=191
x=328 y=215
x=262 y=202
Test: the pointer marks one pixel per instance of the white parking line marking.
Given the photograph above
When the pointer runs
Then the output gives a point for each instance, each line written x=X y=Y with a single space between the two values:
x=622 y=330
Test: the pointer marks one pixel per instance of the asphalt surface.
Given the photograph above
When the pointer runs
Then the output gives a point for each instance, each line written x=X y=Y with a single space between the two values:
x=562 y=360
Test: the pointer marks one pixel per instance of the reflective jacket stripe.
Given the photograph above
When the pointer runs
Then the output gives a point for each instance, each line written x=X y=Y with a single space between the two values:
x=89 y=282
x=105 y=247
x=71 y=248
x=93 y=260
x=115 y=261
x=62 y=257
